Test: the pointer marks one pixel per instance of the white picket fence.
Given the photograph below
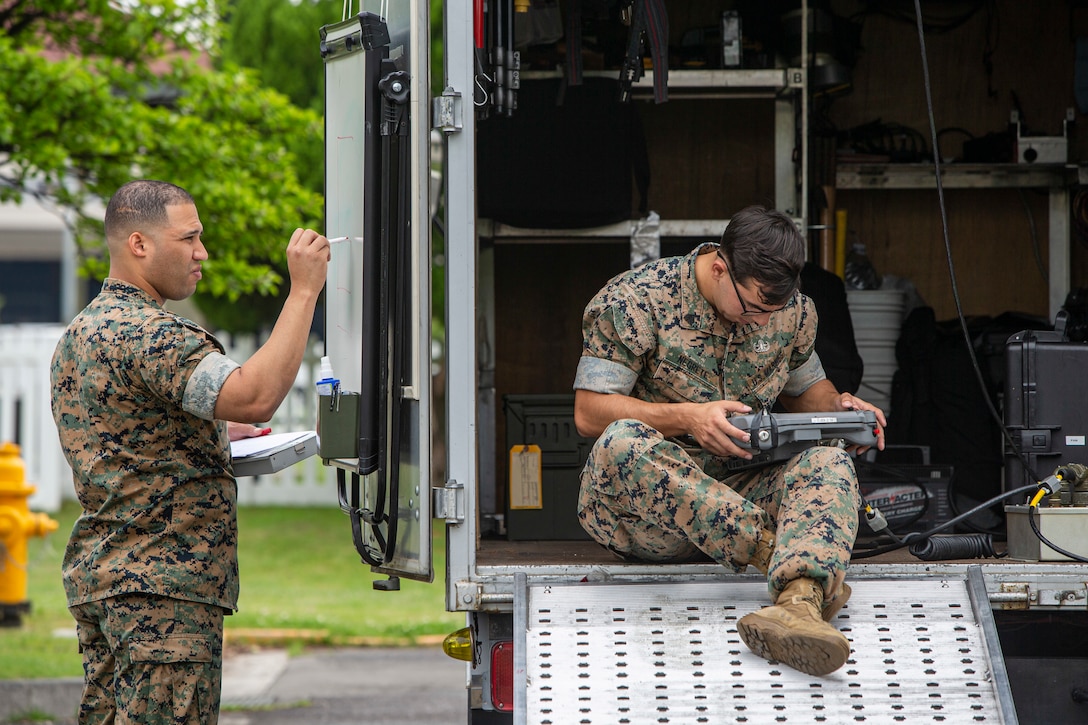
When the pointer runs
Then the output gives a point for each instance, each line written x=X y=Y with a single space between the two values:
x=25 y=419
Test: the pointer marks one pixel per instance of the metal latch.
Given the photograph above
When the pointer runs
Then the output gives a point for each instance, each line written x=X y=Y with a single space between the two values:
x=446 y=113
x=470 y=595
x=1019 y=595
x=1076 y=597
x=448 y=502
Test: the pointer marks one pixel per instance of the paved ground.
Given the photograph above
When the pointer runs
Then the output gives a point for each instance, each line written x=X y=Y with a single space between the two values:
x=339 y=686
x=345 y=687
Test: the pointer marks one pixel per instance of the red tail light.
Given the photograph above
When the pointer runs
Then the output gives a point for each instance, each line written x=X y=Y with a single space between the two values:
x=502 y=676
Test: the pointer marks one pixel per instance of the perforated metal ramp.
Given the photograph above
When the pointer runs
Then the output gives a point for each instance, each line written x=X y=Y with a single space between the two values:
x=618 y=654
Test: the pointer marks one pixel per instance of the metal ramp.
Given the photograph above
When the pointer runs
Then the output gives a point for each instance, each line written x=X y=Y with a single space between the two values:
x=922 y=651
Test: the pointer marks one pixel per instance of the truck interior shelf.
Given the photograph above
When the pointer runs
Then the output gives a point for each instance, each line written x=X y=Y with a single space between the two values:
x=730 y=81
x=954 y=176
x=698 y=228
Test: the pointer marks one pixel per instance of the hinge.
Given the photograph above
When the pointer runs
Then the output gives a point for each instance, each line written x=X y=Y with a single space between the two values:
x=446 y=111
x=448 y=502
x=1013 y=595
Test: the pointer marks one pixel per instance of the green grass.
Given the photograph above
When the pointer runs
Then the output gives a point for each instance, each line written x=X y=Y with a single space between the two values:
x=302 y=583
x=300 y=570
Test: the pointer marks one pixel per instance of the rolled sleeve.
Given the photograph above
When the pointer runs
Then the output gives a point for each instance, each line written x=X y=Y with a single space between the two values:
x=204 y=385
x=802 y=378
x=604 y=376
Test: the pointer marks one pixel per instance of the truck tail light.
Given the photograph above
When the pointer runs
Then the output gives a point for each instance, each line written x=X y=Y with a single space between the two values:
x=502 y=676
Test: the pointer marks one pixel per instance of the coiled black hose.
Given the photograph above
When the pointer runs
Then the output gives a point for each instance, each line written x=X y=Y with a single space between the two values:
x=962 y=546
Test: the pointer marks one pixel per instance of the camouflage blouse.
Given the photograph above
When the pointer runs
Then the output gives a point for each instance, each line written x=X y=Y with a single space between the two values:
x=650 y=334
x=134 y=390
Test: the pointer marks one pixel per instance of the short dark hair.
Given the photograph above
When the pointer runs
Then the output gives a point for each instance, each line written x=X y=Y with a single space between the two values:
x=142 y=203
x=765 y=245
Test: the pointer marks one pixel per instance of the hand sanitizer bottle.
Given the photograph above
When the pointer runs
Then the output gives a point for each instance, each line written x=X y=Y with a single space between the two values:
x=327 y=384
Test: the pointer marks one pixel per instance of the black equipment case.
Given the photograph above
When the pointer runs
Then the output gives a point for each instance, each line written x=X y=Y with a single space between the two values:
x=1046 y=402
x=547 y=421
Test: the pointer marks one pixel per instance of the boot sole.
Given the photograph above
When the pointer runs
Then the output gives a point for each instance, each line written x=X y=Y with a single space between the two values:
x=812 y=653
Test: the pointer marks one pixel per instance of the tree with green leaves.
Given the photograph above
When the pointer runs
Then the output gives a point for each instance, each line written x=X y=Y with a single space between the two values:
x=97 y=93
x=278 y=40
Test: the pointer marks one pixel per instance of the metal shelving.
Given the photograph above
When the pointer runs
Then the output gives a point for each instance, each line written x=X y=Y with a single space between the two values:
x=1057 y=179
x=781 y=85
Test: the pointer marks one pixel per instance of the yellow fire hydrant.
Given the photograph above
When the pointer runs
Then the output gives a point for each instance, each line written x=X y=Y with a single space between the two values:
x=17 y=524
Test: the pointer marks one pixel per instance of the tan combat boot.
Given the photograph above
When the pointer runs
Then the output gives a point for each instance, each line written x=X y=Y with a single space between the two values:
x=761 y=561
x=794 y=633
x=830 y=609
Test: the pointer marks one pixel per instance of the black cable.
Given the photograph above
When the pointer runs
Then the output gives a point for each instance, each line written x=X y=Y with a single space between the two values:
x=998 y=532
x=905 y=480
x=952 y=129
x=898 y=142
x=917 y=538
x=1035 y=528
x=1013 y=447
x=940 y=548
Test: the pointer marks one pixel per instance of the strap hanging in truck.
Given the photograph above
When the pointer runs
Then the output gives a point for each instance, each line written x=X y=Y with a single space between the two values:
x=650 y=19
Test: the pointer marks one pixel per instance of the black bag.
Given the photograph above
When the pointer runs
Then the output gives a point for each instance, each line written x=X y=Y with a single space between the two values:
x=936 y=399
x=565 y=159
x=835 y=343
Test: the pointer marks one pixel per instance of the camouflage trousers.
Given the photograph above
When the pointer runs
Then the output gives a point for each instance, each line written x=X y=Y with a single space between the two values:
x=150 y=660
x=645 y=498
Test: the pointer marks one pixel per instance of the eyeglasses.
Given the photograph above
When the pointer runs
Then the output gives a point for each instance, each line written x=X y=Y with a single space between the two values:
x=745 y=310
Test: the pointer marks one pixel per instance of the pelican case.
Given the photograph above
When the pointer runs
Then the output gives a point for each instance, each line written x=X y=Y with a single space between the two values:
x=1045 y=409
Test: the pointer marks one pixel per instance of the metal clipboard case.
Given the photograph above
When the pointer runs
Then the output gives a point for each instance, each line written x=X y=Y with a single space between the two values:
x=298 y=447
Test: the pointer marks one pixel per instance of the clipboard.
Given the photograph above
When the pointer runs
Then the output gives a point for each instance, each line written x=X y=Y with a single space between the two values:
x=271 y=453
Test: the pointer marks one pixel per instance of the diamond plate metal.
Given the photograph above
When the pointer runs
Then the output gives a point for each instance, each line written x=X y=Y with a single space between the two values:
x=626 y=654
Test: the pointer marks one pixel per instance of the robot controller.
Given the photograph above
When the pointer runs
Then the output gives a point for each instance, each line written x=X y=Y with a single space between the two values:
x=780 y=436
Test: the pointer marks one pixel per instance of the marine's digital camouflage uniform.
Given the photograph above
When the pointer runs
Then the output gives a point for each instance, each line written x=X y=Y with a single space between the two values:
x=650 y=334
x=151 y=566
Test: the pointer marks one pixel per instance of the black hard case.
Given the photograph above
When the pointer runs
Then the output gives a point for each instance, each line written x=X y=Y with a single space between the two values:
x=1046 y=403
x=548 y=421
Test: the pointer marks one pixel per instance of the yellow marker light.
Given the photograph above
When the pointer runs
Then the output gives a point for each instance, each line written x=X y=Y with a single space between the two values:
x=458 y=645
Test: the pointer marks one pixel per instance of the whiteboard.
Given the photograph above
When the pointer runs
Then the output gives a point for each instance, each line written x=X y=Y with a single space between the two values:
x=350 y=209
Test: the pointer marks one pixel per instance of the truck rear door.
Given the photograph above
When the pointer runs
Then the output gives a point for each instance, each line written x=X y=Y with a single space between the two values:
x=375 y=421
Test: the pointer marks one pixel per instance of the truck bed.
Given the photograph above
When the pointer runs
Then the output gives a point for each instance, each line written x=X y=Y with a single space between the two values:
x=969 y=640
x=500 y=552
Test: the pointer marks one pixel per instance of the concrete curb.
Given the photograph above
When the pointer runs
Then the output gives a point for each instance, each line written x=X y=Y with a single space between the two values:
x=58 y=698
x=247 y=680
x=333 y=685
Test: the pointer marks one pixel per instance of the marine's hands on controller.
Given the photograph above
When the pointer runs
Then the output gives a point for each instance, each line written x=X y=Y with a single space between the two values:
x=712 y=430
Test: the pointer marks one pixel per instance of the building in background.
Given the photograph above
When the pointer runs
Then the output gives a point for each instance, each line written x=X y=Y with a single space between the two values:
x=38 y=265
